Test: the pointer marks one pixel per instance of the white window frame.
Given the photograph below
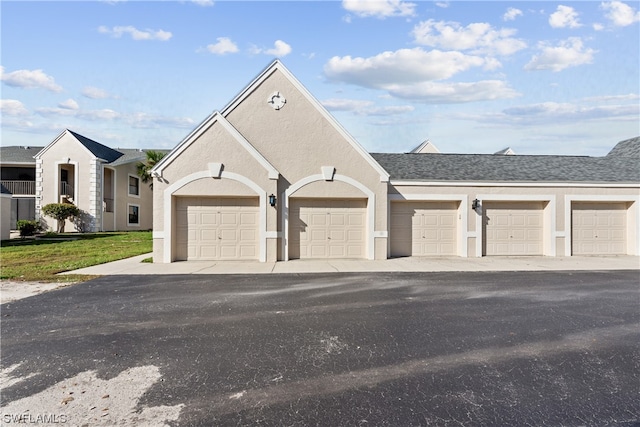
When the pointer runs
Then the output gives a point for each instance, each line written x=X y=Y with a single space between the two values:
x=133 y=224
x=129 y=186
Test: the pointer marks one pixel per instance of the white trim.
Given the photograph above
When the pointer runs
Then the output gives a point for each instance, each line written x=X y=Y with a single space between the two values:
x=512 y=184
x=157 y=234
x=462 y=227
x=371 y=209
x=633 y=214
x=168 y=209
x=129 y=176
x=273 y=234
x=277 y=65
x=202 y=128
x=57 y=138
x=548 y=217
x=133 y=224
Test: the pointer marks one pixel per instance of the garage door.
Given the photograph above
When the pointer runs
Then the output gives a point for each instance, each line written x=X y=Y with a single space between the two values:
x=216 y=228
x=513 y=228
x=423 y=228
x=327 y=228
x=599 y=229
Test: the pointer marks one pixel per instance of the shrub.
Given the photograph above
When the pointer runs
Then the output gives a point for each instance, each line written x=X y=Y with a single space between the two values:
x=27 y=227
x=60 y=212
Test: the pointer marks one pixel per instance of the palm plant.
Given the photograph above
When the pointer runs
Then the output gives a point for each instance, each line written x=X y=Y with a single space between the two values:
x=144 y=168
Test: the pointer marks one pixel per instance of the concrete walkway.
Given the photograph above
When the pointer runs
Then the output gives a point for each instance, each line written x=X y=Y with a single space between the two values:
x=134 y=266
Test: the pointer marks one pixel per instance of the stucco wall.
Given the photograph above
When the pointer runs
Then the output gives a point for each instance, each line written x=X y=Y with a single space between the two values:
x=556 y=198
x=123 y=199
x=5 y=216
x=298 y=140
x=66 y=152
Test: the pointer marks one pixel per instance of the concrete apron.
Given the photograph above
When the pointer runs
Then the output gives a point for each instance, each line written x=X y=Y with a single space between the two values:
x=134 y=266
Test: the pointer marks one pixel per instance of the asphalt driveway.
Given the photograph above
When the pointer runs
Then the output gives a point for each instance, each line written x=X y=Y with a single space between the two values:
x=506 y=348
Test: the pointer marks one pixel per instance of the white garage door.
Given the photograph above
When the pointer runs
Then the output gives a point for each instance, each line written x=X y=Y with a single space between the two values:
x=216 y=228
x=423 y=228
x=513 y=228
x=599 y=228
x=327 y=228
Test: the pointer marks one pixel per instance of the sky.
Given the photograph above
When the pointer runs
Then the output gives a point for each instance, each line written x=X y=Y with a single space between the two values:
x=540 y=77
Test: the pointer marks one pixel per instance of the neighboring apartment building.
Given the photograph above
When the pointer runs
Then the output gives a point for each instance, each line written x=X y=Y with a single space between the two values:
x=102 y=182
x=273 y=176
x=18 y=177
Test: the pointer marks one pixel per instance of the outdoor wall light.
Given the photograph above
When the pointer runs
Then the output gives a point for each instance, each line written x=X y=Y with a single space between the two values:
x=272 y=200
x=475 y=204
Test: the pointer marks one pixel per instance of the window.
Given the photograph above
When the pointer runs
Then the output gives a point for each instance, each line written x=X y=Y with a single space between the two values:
x=134 y=185
x=134 y=215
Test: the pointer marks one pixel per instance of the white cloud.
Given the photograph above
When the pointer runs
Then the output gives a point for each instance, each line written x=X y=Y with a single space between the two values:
x=620 y=14
x=148 y=121
x=379 y=8
x=69 y=104
x=13 y=107
x=222 y=47
x=95 y=93
x=442 y=4
x=203 y=3
x=135 y=33
x=598 y=27
x=453 y=93
x=279 y=49
x=404 y=65
x=341 y=104
x=545 y=111
x=511 y=14
x=564 y=17
x=365 y=108
x=478 y=37
x=30 y=79
x=569 y=53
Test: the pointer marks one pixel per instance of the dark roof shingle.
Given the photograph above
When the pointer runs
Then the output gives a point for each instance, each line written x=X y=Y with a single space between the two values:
x=16 y=154
x=97 y=149
x=627 y=148
x=491 y=168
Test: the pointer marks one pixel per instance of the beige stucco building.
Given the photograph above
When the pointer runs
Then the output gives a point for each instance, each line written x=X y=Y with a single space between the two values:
x=102 y=182
x=273 y=176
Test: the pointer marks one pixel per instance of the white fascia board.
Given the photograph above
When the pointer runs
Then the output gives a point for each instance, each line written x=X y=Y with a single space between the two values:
x=514 y=184
x=41 y=152
x=277 y=65
x=18 y=163
x=182 y=145
x=193 y=136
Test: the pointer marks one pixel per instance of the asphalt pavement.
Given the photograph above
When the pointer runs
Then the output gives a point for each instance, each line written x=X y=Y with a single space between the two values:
x=397 y=349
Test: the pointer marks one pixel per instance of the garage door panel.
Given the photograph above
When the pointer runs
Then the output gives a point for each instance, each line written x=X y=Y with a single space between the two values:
x=210 y=228
x=513 y=228
x=599 y=228
x=336 y=228
x=423 y=228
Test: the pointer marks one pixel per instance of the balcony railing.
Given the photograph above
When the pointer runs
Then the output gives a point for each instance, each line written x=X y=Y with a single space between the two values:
x=20 y=187
x=66 y=189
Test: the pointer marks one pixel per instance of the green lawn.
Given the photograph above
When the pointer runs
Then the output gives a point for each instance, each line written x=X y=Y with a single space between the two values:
x=41 y=260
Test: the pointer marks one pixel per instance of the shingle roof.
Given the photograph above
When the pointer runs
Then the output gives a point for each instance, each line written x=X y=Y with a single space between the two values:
x=15 y=154
x=133 y=155
x=626 y=148
x=97 y=149
x=491 y=168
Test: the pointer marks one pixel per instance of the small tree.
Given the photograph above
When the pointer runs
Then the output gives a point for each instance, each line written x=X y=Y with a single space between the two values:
x=144 y=168
x=60 y=212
